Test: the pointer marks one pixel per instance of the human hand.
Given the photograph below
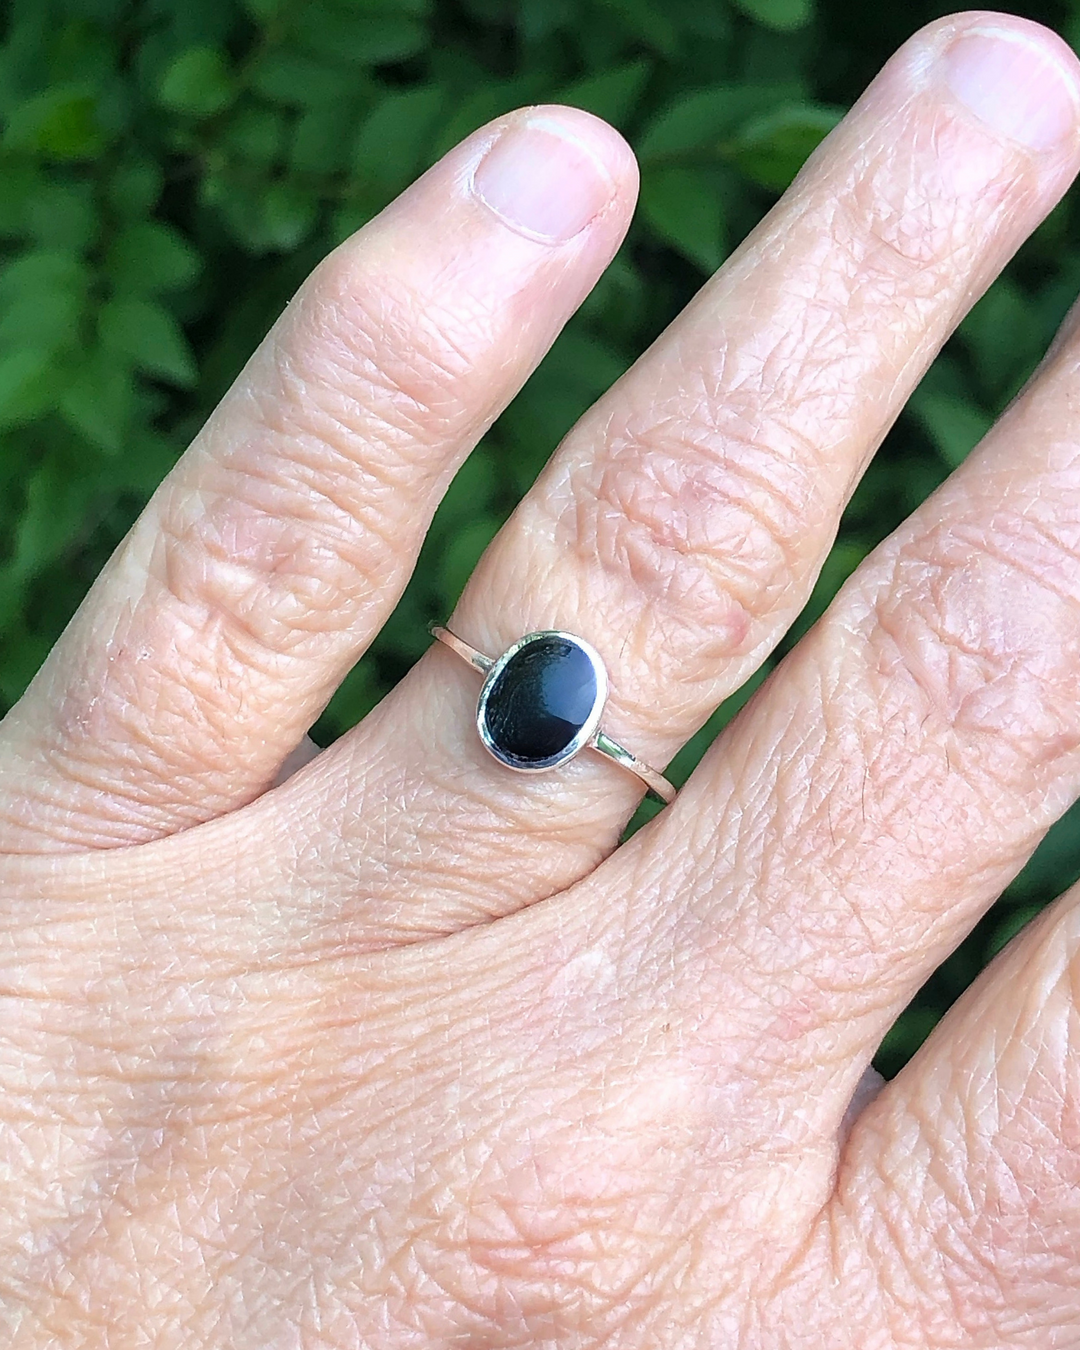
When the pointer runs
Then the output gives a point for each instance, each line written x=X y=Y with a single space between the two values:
x=282 y=1079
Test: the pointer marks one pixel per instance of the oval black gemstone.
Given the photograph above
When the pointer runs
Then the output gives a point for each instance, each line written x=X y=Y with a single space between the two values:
x=539 y=701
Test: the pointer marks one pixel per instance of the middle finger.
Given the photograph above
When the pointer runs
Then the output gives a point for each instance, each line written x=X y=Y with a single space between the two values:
x=681 y=525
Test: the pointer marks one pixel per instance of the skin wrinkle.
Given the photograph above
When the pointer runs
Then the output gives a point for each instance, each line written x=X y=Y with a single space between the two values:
x=440 y=1146
x=381 y=397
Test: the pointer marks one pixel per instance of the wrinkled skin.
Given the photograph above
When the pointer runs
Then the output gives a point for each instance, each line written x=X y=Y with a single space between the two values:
x=403 y=1052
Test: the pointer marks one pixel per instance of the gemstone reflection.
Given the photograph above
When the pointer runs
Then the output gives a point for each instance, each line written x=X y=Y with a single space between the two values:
x=539 y=701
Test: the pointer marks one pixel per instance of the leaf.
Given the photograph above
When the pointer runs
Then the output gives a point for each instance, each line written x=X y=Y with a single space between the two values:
x=395 y=140
x=47 y=318
x=99 y=402
x=703 y=120
x=538 y=19
x=576 y=371
x=363 y=39
x=953 y=424
x=29 y=384
x=462 y=554
x=42 y=296
x=264 y=217
x=264 y=11
x=783 y=15
x=683 y=207
x=611 y=94
x=148 y=337
x=1003 y=334
x=299 y=81
x=20 y=182
x=256 y=134
x=771 y=150
x=198 y=83
x=287 y=216
x=148 y=257
x=59 y=124
x=63 y=215
x=647 y=21
x=320 y=143
x=904 y=1037
x=135 y=187
x=1014 y=922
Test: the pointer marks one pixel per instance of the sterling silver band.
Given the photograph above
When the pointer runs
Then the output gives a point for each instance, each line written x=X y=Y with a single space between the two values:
x=599 y=741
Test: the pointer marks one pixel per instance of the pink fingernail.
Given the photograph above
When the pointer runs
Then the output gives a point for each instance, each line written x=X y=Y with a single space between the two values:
x=542 y=182
x=1015 y=86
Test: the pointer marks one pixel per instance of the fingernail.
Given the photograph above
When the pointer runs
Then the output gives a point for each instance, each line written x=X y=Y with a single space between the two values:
x=541 y=182
x=1014 y=86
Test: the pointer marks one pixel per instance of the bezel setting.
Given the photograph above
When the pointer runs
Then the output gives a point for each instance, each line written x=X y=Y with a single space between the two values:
x=587 y=731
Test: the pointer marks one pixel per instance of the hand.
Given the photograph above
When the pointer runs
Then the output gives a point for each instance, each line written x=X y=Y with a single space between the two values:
x=272 y=1076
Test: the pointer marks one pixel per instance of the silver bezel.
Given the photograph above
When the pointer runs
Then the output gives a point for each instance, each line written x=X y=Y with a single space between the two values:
x=588 y=729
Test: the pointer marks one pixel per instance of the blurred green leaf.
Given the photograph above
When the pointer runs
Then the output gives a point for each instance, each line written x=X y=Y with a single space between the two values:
x=613 y=95
x=704 y=120
x=135 y=186
x=321 y=139
x=394 y=143
x=63 y=215
x=29 y=385
x=42 y=297
x=256 y=133
x=647 y=21
x=367 y=37
x=772 y=149
x=198 y=83
x=1004 y=335
x=59 y=124
x=148 y=257
x=286 y=217
x=684 y=207
x=905 y=1037
x=55 y=507
x=954 y=425
x=1009 y=926
x=145 y=334
x=99 y=402
x=784 y=15
x=298 y=80
x=461 y=555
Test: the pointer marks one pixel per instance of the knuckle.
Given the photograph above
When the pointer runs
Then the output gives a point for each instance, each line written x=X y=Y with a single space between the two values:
x=362 y=357
x=564 y=1226
x=265 y=565
x=980 y=620
x=698 y=526
x=924 y=199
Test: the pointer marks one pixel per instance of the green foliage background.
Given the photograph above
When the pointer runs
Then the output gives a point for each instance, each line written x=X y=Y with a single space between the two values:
x=170 y=170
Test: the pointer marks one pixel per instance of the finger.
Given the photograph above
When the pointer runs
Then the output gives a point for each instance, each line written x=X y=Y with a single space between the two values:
x=681 y=525
x=274 y=552
x=980 y=1138
x=898 y=769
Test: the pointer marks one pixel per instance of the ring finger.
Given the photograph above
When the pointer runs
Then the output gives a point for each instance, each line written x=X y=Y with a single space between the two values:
x=681 y=525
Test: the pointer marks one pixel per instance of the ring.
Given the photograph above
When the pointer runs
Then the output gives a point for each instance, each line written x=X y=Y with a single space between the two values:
x=541 y=704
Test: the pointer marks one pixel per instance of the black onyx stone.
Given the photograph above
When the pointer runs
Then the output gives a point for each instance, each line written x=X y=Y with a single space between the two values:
x=539 y=701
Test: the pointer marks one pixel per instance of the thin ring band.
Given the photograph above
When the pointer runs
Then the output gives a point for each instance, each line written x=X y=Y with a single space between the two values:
x=599 y=741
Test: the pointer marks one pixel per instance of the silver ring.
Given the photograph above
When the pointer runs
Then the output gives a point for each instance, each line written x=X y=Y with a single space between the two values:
x=541 y=704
